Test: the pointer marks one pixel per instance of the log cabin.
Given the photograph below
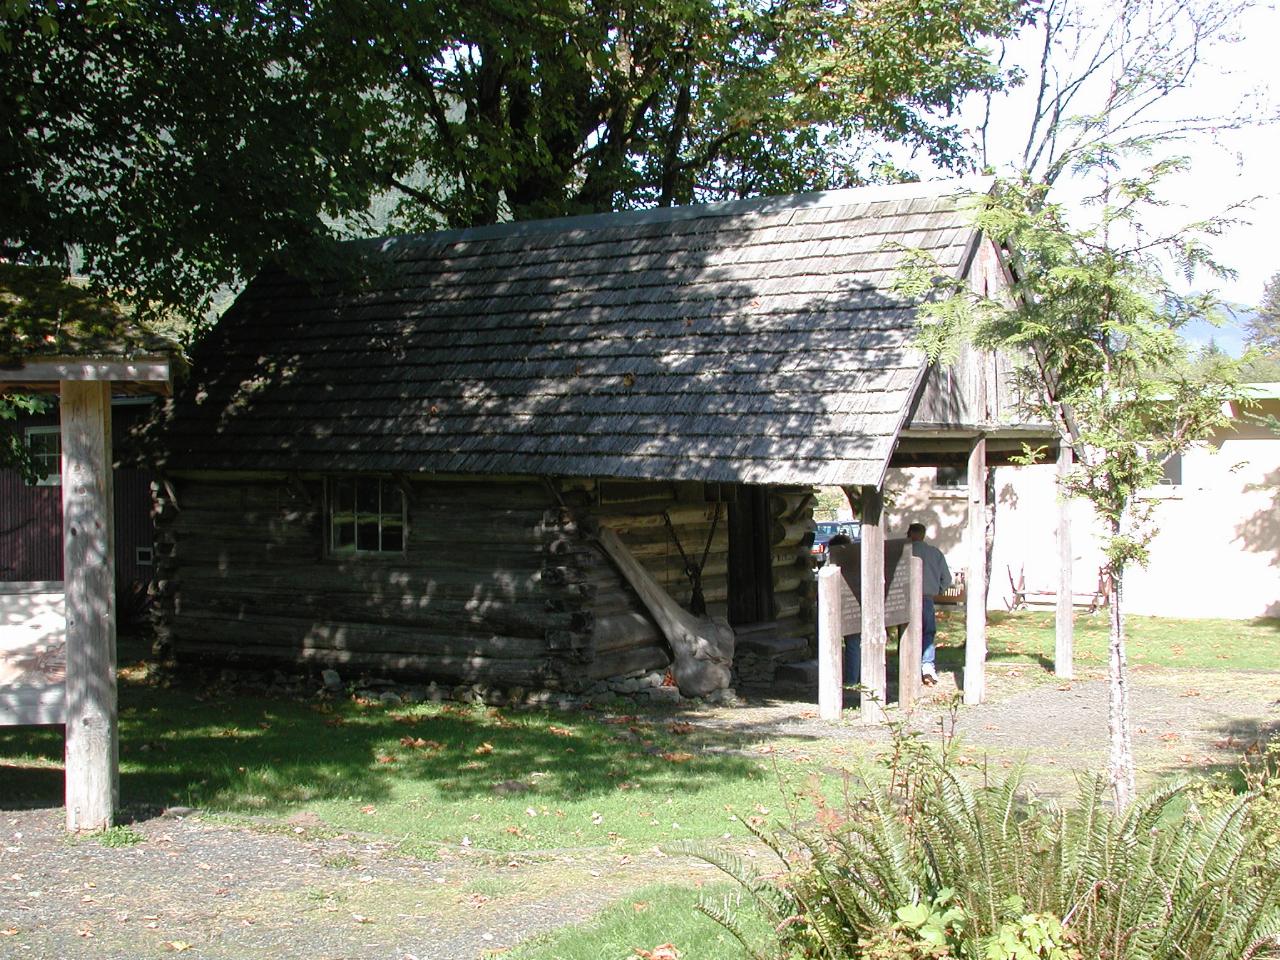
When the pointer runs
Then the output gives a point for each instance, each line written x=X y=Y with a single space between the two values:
x=404 y=467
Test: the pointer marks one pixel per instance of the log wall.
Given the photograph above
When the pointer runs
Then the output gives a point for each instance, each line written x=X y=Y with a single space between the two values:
x=497 y=583
x=486 y=590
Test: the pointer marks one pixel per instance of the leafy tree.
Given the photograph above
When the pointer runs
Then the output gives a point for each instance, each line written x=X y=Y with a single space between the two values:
x=1096 y=326
x=167 y=147
x=594 y=107
x=1262 y=330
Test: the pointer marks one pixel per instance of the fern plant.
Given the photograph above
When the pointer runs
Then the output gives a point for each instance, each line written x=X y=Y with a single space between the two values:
x=930 y=866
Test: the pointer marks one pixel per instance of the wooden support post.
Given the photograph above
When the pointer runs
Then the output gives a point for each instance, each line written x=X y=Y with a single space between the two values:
x=92 y=747
x=830 y=644
x=913 y=637
x=975 y=605
x=1064 y=623
x=873 y=633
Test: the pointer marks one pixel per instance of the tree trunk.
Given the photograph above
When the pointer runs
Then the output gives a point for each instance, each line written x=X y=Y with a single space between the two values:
x=1120 y=769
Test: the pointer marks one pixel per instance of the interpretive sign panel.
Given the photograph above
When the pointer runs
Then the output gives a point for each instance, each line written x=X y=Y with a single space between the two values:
x=897 y=577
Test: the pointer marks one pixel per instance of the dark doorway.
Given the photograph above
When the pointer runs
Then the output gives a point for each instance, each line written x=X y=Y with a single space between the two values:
x=750 y=559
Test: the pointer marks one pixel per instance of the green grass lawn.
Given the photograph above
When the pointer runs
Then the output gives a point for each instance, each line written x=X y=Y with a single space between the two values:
x=428 y=775
x=649 y=919
x=514 y=780
x=1028 y=636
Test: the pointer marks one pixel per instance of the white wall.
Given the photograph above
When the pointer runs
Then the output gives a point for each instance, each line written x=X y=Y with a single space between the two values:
x=1217 y=553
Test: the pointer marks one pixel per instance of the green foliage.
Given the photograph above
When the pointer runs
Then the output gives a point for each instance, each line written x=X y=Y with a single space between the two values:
x=569 y=108
x=930 y=866
x=1032 y=936
x=1093 y=328
x=166 y=148
x=1262 y=330
x=828 y=502
x=169 y=148
x=119 y=836
x=14 y=452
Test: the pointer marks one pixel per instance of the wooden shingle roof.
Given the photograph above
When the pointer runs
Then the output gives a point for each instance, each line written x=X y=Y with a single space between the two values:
x=756 y=341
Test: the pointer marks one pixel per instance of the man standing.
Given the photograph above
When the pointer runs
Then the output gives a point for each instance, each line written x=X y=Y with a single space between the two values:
x=937 y=578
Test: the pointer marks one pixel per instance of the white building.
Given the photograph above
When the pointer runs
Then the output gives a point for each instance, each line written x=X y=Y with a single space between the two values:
x=1217 y=553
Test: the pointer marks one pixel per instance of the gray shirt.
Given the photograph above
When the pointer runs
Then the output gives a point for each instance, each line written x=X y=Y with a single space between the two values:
x=937 y=575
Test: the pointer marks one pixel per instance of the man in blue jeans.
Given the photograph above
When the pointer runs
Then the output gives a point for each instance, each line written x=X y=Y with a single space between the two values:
x=937 y=578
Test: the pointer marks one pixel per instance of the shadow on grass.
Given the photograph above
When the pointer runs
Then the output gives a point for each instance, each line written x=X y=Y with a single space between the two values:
x=257 y=754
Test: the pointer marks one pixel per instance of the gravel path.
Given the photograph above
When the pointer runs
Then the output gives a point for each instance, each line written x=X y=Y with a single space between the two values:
x=233 y=892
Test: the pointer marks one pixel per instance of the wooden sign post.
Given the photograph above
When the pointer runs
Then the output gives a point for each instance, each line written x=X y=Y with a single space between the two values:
x=909 y=646
x=841 y=613
x=92 y=780
x=872 y=597
x=975 y=604
x=830 y=643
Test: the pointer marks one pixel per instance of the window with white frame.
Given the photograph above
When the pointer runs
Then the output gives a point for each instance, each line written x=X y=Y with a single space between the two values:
x=950 y=478
x=366 y=515
x=45 y=445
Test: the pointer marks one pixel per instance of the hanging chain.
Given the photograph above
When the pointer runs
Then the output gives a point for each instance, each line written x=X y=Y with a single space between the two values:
x=692 y=571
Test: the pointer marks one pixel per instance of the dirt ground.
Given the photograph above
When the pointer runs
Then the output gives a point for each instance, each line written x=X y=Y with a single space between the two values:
x=209 y=889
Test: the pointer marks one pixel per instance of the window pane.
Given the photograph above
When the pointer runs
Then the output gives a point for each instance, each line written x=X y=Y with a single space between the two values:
x=392 y=536
x=46 y=451
x=392 y=502
x=344 y=495
x=367 y=535
x=367 y=497
x=344 y=534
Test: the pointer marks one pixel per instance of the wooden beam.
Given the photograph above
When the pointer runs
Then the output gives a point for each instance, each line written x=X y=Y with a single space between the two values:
x=92 y=746
x=975 y=607
x=909 y=647
x=830 y=644
x=873 y=632
x=78 y=369
x=1064 y=621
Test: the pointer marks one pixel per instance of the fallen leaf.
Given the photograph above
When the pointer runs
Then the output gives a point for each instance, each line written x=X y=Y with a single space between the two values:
x=1169 y=737
x=677 y=756
x=361 y=918
x=368 y=809
x=177 y=946
x=681 y=729
x=640 y=906
x=666 y=951
x=9 y=932
x=386 y=758
x=484 y=748
x=560 y=731
x=1190 y=693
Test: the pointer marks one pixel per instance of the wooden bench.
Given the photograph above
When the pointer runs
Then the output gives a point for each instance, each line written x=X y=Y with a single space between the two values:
x=1024 y=598
x=954 y=595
